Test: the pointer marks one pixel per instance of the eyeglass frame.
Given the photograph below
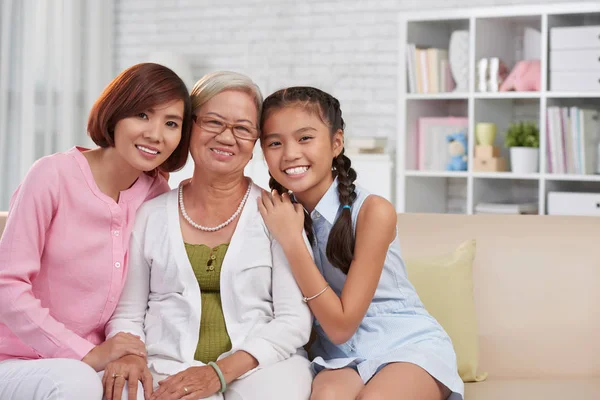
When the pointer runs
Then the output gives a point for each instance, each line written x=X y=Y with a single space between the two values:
x=198 y=121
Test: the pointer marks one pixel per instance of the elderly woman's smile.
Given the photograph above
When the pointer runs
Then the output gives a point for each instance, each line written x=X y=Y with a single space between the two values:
x=225 y=132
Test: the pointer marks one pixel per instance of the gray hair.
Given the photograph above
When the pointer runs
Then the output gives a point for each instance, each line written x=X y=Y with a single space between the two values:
x=214 y=83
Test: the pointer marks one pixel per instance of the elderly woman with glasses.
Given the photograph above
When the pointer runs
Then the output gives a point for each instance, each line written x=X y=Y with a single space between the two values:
x=209 y=290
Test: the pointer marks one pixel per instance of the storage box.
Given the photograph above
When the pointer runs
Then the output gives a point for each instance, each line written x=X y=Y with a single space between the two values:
x=571 y=203
x=489 y=164
x=486 y=151
x=575 y=81
x=575 y=37
x=575 y=60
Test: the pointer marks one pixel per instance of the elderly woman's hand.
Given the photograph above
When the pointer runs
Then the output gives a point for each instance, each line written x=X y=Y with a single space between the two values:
x=284 y=219
x=193 y=383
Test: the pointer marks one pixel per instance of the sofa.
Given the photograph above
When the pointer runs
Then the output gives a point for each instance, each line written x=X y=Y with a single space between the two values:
x=536 y=282
x=536 y=291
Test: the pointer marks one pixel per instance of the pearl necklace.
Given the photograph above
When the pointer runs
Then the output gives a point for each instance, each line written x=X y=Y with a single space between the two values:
x=220 y=226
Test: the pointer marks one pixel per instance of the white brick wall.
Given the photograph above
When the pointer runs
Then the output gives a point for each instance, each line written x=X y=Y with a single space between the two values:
x=346 y=47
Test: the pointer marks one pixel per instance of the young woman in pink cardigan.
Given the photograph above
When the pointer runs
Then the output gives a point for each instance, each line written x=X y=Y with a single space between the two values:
x=63 y=254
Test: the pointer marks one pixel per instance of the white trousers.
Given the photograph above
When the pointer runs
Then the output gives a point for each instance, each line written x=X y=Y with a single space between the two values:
x=64 y=379
x=48 y=379
x=290 y=380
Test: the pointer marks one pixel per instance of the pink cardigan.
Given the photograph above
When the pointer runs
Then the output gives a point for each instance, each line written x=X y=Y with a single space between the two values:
x=63 y=258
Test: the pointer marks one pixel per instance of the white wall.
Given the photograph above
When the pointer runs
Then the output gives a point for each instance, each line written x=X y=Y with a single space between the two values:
x=347 y=47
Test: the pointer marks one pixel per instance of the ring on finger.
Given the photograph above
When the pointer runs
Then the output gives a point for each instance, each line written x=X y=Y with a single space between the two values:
x=185 y=390
x=115 y=375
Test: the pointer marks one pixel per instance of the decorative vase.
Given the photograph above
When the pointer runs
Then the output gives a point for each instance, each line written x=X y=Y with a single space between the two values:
x=524 y=160
x=485 y=132
x=458 y=55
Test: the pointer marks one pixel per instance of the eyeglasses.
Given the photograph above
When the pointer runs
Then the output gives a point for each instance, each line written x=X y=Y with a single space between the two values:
x=217 y=126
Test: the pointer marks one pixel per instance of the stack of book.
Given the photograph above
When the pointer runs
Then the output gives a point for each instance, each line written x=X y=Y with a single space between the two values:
x=572 y=136
x=428 y=70
x=364 y=145
x=507 y=208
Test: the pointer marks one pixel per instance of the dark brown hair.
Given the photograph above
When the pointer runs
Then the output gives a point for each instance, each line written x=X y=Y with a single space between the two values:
x=135 y=90
x=340 y=244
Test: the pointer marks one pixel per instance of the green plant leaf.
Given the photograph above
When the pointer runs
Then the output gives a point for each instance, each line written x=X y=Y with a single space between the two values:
x=522 y=134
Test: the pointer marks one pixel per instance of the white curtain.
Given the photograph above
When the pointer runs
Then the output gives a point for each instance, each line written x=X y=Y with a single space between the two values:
x=55 y=59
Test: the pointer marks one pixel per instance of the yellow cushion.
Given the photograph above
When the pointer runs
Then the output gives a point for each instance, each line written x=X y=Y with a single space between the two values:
x=445 y=285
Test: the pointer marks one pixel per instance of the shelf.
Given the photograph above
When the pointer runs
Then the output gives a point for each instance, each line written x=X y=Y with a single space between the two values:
x=495 y=175
x=572 y=95
x=437 y=174
x=505 y=32
x=507 y=95
x=366 y=157
x=505 y=175
x=502 y=95
x=572 y=177
x=437 y=96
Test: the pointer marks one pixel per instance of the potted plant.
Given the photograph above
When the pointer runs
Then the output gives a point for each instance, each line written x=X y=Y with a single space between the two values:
x=523 y=139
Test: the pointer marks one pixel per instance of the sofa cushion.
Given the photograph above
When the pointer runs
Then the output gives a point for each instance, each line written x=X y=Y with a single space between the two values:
x=445 y=285
x=534 y=389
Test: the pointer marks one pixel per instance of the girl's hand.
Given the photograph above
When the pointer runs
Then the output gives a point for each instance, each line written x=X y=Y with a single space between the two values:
x=193 y=383
x=284 y=219
x=127 y=370
x=114 y=348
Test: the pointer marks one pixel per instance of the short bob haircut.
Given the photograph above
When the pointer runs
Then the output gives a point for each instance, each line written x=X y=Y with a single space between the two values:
x=135 y=90
x=214 y=83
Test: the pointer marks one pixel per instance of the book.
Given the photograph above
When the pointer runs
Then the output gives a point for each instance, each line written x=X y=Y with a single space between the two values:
x=572 y=137
x=506 y=208
x=428 y=70
x=365 y=142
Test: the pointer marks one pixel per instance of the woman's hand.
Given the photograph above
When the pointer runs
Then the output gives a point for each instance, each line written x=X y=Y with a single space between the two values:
x=191 y=384
x=114 y=348
x=130 y=369
x=284 y=219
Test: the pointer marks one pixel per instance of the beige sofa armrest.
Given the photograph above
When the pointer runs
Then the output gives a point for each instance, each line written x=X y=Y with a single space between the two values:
x=3 y=216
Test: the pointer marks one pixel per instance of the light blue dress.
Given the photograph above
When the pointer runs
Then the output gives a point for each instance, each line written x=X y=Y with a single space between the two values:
x=396 y=327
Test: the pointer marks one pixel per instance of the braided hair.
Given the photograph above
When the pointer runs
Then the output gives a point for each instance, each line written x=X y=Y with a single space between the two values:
x=340 y=244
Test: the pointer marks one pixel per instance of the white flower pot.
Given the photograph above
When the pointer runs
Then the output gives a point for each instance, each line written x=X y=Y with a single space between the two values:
x=524 y=160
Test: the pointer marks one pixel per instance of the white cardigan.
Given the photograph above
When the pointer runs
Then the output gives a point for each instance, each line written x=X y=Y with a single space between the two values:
x=262 y=304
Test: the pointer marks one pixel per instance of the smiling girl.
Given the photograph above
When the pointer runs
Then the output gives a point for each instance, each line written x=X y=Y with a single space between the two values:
x=374 y=338
x=63 y=254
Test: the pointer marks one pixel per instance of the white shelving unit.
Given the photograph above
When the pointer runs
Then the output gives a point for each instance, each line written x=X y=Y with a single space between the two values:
x=493 y=32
